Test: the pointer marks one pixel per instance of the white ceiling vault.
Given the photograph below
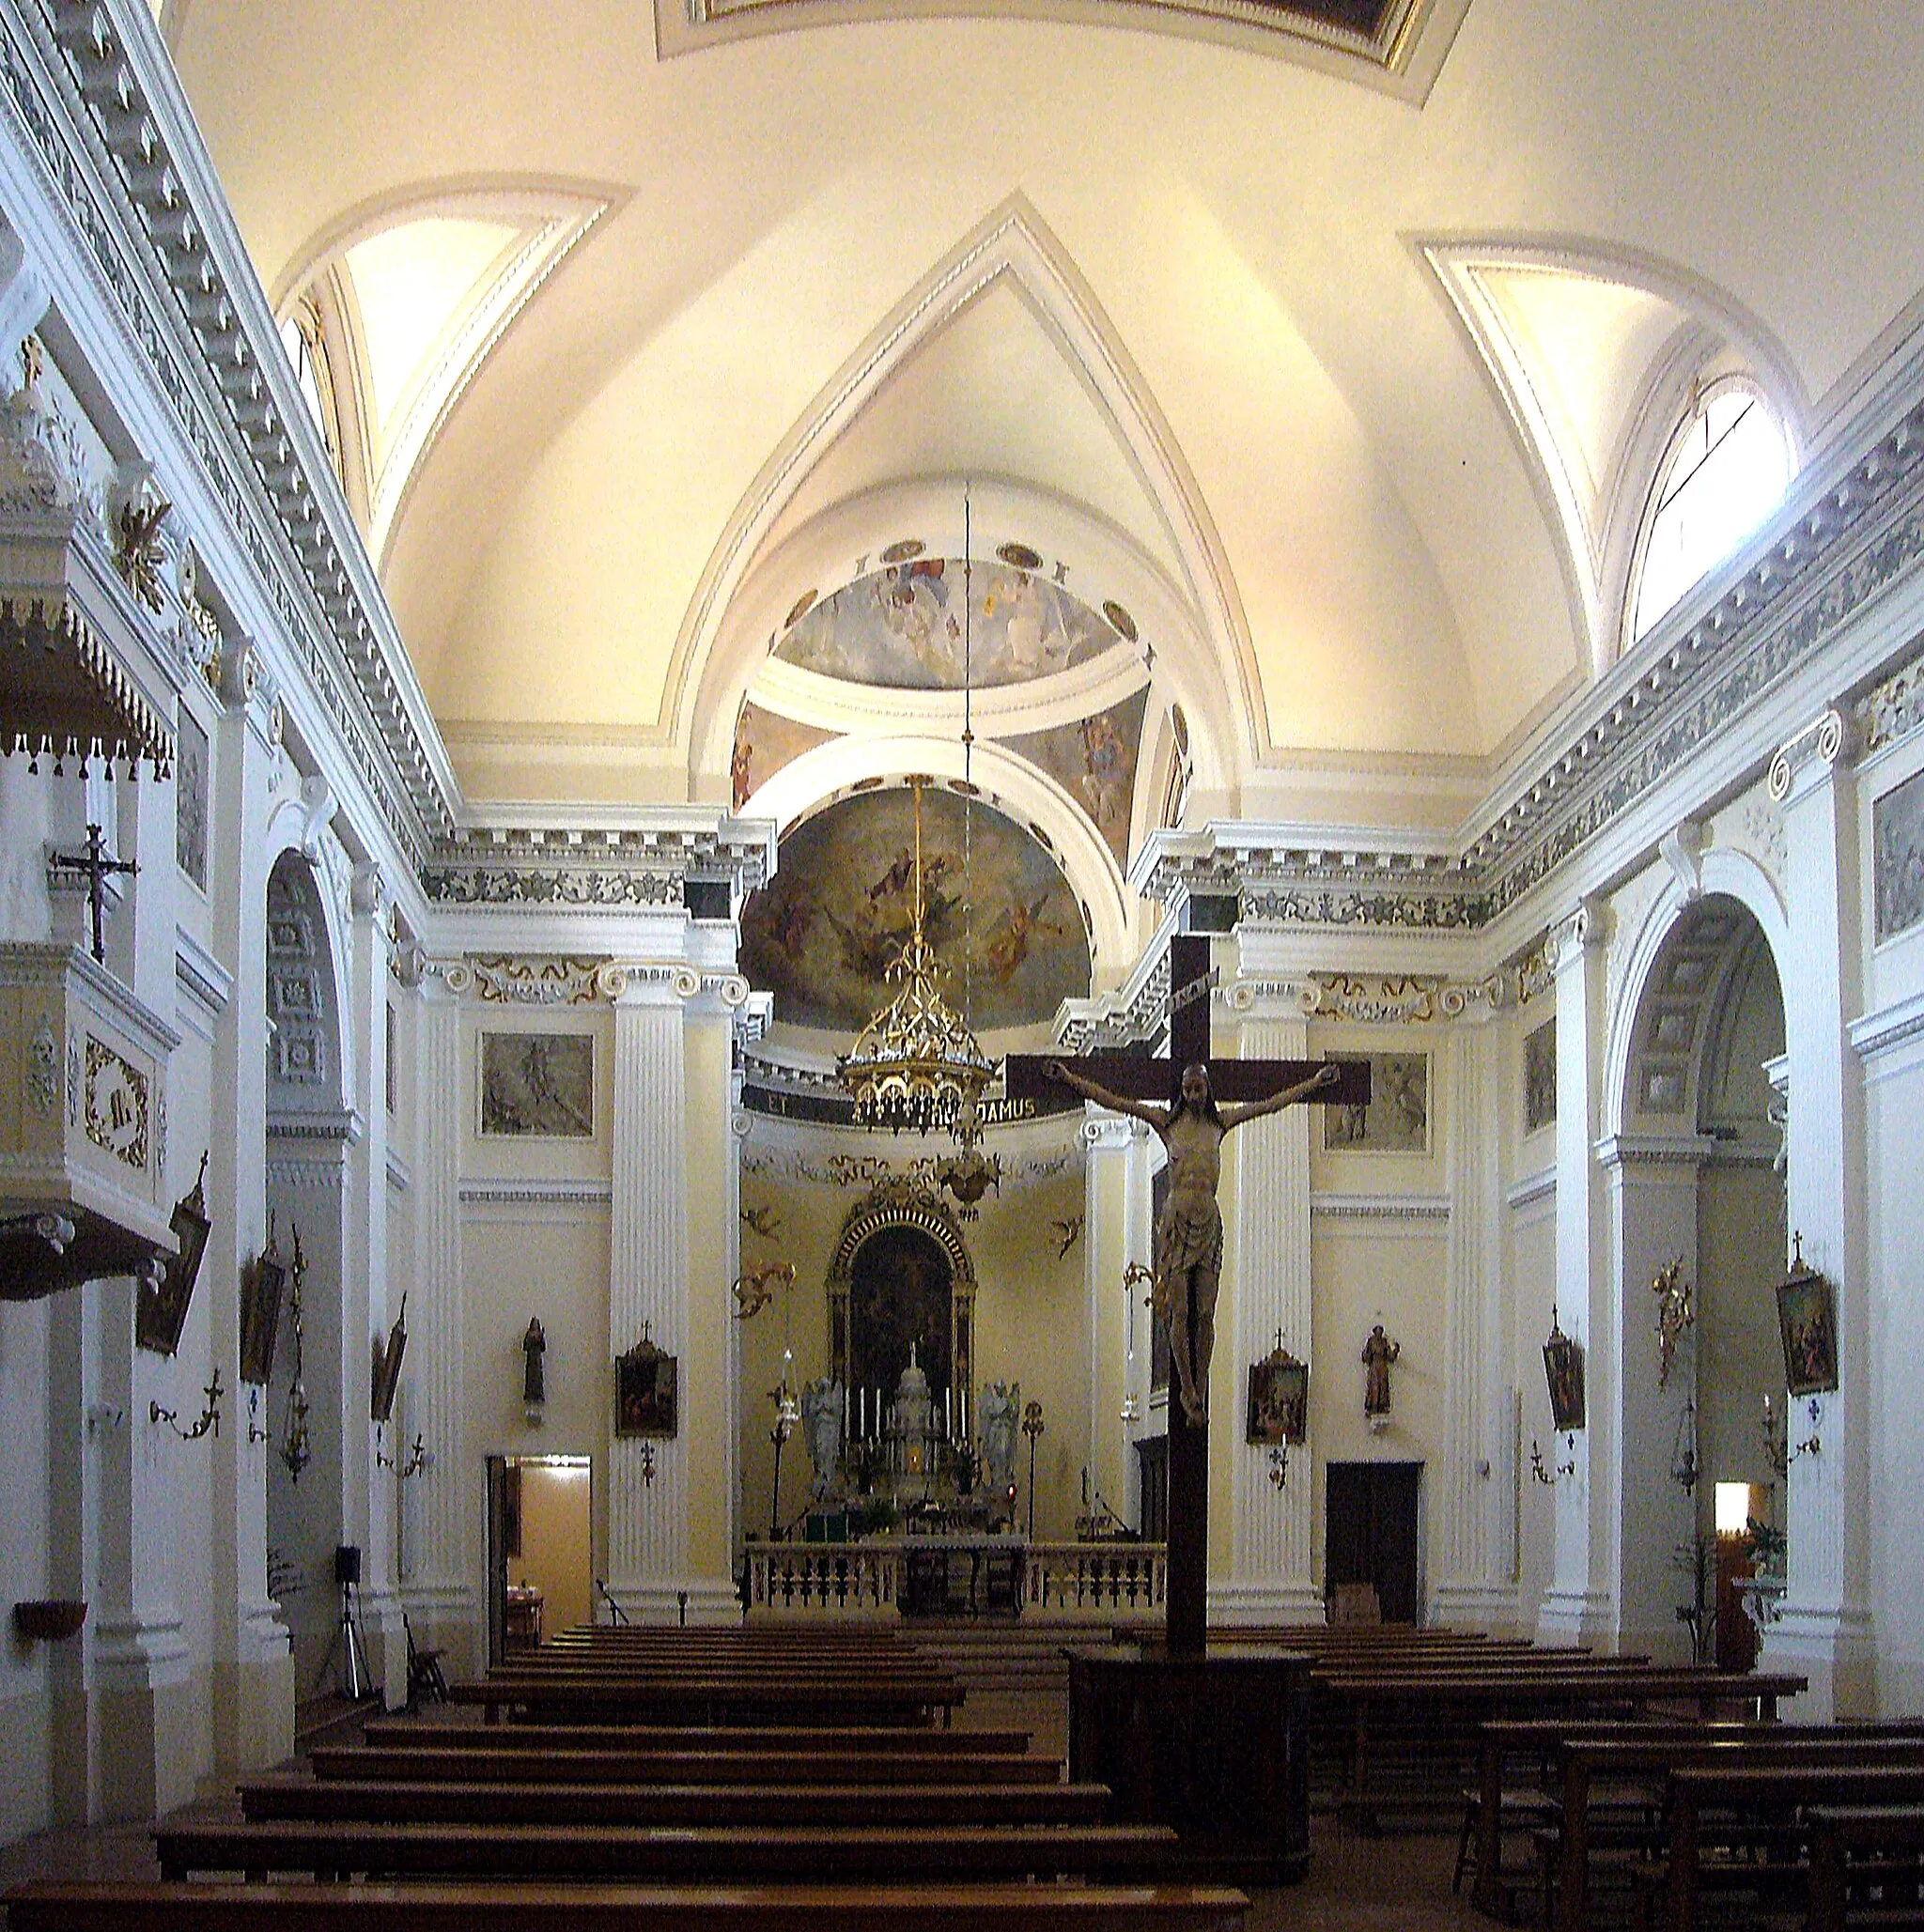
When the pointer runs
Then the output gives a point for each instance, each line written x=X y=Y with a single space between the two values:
x=1344 y=374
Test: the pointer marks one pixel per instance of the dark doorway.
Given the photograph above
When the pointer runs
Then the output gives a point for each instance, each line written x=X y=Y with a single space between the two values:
x=1370 y=1532
x=900 y=1292
x=1152 y=1456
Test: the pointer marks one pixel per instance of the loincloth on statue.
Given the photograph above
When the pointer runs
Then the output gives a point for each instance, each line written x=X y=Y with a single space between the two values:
x=1185 y=1243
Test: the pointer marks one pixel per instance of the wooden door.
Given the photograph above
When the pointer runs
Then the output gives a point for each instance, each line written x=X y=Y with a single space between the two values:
x=1372 y=1514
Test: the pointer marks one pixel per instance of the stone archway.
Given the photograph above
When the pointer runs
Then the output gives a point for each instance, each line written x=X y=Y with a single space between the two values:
x=1693 y=1177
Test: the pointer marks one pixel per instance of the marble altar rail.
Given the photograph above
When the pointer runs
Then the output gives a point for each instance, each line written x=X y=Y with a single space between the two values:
x=871 y=1578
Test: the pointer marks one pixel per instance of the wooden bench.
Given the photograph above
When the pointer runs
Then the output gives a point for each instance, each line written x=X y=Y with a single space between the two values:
x=553 y=1802
x=1711 y=1807
x=744 y=1698
x=662 y=1765
x=71 y=1905
x=874 y=1739
x=747 y=1853
x=1644 y=1767
x=1429 y=1723
x=1858 y=1848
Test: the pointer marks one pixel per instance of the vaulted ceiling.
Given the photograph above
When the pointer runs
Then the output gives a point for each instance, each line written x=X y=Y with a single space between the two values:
x=1344 y=372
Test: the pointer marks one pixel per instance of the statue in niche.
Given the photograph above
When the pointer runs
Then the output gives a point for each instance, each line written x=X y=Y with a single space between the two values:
x=824 y=1408
x=1002 y=1402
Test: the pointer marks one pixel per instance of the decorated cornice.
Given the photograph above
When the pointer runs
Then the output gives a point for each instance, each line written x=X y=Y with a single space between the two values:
x=95 y=98
x=642 y=865
x=555 y=979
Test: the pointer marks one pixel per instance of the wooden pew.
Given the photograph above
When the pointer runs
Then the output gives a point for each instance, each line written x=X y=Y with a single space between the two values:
x=747 y=1853
x=548 y=1801
x=1434 y=1717
x=424 y=1734
x=733 y=1698
x=71 y=1905
x=662 y=1765
x=1584 y=1764
x=1852 y=1847
x=1704 y=1804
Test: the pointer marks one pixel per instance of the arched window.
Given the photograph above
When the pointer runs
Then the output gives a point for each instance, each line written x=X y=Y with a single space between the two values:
x=302 y=338
x=1726 y=469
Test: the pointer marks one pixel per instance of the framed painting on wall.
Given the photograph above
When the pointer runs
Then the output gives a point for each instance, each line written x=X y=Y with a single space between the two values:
x=645 y=1396
x=1807 y=1330
x=538 y=1085
x=261 y=1289
x=160 y=1313
x=1897 y=835
x=1279 y=1398
x=1540 y=1076
x=1396 y=1118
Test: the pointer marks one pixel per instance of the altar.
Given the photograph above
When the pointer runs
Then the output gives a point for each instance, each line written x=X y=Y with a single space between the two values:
x=961 y=1576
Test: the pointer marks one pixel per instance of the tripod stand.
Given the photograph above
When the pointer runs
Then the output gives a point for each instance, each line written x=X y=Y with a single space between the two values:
x=347 y=1649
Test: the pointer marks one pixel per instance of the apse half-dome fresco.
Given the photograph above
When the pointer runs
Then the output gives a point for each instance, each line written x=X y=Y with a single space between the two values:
x=821 y=933
x=902 y=627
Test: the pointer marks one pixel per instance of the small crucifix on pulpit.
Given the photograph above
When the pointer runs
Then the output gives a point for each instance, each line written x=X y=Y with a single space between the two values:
x=1207 y=1099
x=98 y=868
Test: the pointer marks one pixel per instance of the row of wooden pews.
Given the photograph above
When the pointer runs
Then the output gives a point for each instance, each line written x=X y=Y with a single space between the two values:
x=580 y=1802
x=1664 y=1817
x=1396 y=1714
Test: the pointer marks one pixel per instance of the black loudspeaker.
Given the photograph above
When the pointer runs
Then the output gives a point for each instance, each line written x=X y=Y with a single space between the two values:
x=347 y=1563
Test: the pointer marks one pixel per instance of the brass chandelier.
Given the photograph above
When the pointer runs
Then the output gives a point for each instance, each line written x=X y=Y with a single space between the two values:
x=916 y=1065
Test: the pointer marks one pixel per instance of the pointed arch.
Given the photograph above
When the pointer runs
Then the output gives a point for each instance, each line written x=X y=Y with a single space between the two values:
x=1012 y=241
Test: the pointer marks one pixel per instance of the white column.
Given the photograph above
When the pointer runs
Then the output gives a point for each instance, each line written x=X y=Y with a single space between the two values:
x=1476 y=1483
x=1265 y=1574
x=1826 y=1626
x=1581 y=1604
x=648 y=1261
x=1108 y=1140
x=1653 y=1222
x=368 y=1498
x=437 y=1584
x=253 y=1671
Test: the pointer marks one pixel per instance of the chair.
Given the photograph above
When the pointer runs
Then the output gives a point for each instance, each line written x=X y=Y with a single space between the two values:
x=426 y=1684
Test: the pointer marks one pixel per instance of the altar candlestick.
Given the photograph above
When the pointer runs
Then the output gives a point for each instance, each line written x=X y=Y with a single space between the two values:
x=948 y=1424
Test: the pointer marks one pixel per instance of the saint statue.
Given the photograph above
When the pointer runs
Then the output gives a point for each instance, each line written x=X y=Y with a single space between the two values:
x=1379 y=1352
x=534 y=1374
x=824 y=1404
x=1188 y=1233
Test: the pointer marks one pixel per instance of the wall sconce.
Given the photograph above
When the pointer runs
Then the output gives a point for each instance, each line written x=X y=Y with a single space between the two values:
x=1550 y=1478
x=1778 y=1446
x=254 y=1432
x=1683 y=1465
x=1278 y=1465
x=647 y=1462
x=210 y=1419
x=420 y=1458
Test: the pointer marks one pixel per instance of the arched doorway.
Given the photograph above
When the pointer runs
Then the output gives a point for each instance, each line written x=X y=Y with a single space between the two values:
x=1697 y=1179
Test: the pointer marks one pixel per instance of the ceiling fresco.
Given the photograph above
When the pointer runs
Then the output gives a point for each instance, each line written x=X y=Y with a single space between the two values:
x=1093 y=760
x=764 y=741
x=821 y=933
x=902 y=627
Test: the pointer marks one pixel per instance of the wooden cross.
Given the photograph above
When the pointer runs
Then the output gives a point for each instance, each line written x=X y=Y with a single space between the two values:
x=98 y=867
x=1137 y=1077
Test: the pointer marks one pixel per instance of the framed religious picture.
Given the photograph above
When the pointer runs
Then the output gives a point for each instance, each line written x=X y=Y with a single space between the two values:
x=387 y=1366
x=1279 y=1398
x=160 y=1313
x=261 y=1289
x=1564 y=1372
x=1897 y=839
x=1807 y=1328
x=1396 y=1117
x=1540 y=1076
x=538 y=1086
x=644 y=1391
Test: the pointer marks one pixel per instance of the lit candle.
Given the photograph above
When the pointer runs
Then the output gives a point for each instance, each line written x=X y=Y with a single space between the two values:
x=948 y=1421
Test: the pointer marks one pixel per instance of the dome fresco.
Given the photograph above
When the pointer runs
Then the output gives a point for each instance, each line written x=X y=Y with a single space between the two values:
x=822 y=932
x=902 y=627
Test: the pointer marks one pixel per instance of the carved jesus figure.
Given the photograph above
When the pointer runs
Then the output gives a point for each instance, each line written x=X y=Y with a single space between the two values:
x=1188 y=1232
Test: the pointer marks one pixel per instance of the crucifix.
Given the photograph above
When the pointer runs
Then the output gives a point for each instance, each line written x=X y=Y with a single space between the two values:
x=1182 y=1097
x=98 y=868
